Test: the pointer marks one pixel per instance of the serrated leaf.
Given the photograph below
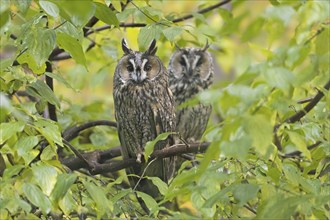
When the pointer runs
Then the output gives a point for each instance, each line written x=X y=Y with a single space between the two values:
x=148 y=200
x=149 y=148
x=260 y=130
x=50 y=8
x=45 y=176
x=44 y=92
x=63 y=184
x=105 y=14
x=50 y=131
x=72 y=46
x=36 y=197
x=161 y=185
x=171 y=32
x=7 y=130
x=147 y=34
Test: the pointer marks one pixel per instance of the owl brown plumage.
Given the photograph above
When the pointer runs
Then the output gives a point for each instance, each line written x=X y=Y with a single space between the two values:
x=144 y=108
x=190 y=72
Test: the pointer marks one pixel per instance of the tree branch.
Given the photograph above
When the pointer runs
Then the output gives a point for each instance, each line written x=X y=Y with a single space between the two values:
x=186 y=17
x=115 y=165
x=74 y=131
x=296 y=117
x=202 y=11
x=49 y=82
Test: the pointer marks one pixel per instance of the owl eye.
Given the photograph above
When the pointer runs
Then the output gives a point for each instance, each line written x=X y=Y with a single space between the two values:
x=147 y=67
x=130 y=68
x=182 y=62
x=199 y=62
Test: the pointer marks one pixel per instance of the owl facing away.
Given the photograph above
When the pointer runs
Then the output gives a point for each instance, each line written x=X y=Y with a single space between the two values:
x=190 y=72
x=144 y=108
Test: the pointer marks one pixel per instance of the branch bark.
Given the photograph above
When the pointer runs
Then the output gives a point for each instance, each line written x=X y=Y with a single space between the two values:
x=74 y=131
x=186 y=17
x=115 y=165
x=49 y=82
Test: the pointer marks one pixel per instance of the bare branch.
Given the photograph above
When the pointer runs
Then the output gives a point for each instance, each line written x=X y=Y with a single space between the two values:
x=74 y=131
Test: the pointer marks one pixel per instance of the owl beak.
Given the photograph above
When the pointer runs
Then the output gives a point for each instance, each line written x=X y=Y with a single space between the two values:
x=139 y=77
x=189 y=72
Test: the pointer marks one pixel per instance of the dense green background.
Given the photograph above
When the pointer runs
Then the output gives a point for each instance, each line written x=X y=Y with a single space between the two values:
x=269 y=57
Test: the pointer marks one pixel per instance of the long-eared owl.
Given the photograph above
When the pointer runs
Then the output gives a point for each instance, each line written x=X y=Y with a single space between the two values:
x=190 y=72
x=144 y=108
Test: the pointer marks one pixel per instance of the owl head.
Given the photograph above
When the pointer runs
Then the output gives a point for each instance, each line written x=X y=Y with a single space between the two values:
x=137 y=67
x=191 y=64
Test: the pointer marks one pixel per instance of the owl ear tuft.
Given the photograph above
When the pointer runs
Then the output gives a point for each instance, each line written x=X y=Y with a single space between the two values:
x=152 y=48
x=206 y=46
x=125 y=47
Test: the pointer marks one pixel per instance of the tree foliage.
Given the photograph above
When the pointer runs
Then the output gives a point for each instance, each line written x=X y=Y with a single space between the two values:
x=265 y=154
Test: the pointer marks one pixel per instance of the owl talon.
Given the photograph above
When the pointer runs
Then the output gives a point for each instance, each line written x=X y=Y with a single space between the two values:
x=138 y=158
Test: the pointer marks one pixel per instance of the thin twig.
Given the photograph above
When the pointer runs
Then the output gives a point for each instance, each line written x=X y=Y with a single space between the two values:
x=144 y=171
x=138 y=25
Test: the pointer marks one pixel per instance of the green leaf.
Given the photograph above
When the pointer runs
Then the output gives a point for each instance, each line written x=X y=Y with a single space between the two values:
x=59 y=78
x=25 y=149
x=72 y=46
x=292 y=174
x=45 y=176
x=105 y=14
x=279 y=77
x=4 y=17
x=12 y=171
x=77 y=12
x=258 y=127
x=147 y=34
x=161 y=185
x=245 y=192
x=7 y=130
x=98 y=195
x=42 y=90
x=63 y=184
x=171 y=32
x=148 y=200
x=36 y=197
x=39 y=42
x=50 y=8
x=219 y=197
x=50 y=130
x=149 y=148
x=300 y=143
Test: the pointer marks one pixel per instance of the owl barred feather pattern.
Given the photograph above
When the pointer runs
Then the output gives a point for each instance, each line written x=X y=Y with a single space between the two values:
x=190 y=72
x=144 y=108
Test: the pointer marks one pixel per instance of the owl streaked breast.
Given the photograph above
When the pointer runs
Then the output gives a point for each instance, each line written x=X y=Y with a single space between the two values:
x=144 y=108
x=190 y=72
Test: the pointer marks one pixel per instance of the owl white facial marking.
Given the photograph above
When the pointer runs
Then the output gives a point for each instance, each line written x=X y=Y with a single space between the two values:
x=196 y=61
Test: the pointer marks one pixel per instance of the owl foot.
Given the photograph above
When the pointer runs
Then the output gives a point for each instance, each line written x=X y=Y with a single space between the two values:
x=138 y=158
